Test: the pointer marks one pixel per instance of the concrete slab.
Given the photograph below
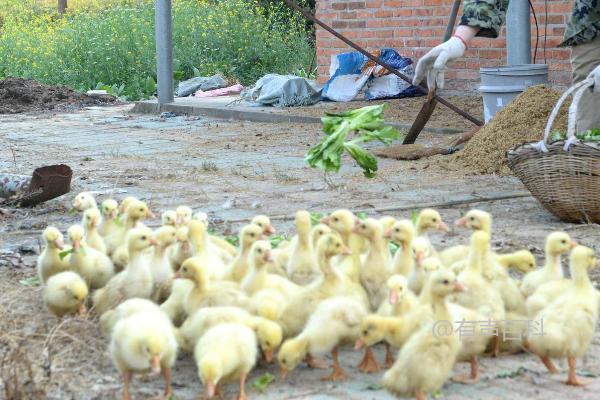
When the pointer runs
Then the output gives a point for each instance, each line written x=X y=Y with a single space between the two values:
x=231 y=108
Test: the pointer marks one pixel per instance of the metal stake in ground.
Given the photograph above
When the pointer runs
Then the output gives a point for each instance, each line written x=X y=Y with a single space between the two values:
x=379 y=61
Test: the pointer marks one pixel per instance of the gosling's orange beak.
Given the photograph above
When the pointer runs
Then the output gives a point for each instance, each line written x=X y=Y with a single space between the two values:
x=155 y=364
x=76 y=204
x=151 y=215
x=358 y=345
x=443 y=227
x=268 y=257
x=179 y=220
x=81 y=309
x=420 y=256
x=114 y=214
x=393 y=296
x=461 y=222
x=388 y=235
x=76 y=245
x=59 y=244
x=153 y=242
x=185 y=246
x=268 y=355
x=283 y=372
x=459 y=287
x=210 y=389
x=326 y=220
x=346 y=251
x=270 y=230
x=573 y=244
x=178 y=275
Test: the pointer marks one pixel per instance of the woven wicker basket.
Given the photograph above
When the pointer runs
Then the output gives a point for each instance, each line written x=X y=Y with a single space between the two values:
x=564 y=176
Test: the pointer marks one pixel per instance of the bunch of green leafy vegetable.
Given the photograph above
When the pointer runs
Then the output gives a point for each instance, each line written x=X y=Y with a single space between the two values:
x=591 y=135
x=366 y=124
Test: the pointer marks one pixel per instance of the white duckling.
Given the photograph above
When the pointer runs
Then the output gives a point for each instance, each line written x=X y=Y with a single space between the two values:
x=402 y=232
x=377 y=266
x=239 y=268
x=144 y=342
x=268 y=333
x=201 y=251
x=49 y=262
x=135 y=280
x=129 y=307
x=90 y=222
x=427 y=358
x=570 y=320
x=334 y=323
x=557 y=244
x=302 y=264
x=259 y=278
x=94 y=267
x=84 y=201
x=227 y=352
x=162 y=273
x=169 y=218
x=65 y=293
x=109 y=223
x=181 y=250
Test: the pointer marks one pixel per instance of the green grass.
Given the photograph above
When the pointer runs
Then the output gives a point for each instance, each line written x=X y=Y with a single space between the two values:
x=110 y=45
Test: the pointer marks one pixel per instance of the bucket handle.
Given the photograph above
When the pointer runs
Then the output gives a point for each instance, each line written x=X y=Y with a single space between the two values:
x=579 y=89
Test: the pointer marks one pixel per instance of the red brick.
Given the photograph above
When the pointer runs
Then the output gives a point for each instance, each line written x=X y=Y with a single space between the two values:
x=339 y=24
x=374 y=3
x=347 y=15
x=560 y=7
x=357 y=24
x=339 y=6
x=388 y=33
x=356 y=5
x=402 y=12
x=561 y=54
x=433 y=2
x=423 y=12
x=403 y=32
x=384 y=14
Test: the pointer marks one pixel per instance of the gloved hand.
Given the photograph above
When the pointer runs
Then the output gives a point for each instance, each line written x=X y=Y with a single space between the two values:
x=595 y=76
x=434 y=63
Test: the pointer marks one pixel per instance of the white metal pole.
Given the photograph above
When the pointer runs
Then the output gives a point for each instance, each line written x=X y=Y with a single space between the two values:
x=518 y=33
x=164 y=51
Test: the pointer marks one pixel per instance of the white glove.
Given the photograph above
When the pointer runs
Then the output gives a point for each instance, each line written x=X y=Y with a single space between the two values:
x=434 y=62
x=595 y=76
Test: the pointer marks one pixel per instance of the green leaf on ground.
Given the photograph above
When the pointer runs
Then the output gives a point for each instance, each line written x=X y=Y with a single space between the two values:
x=374 y=386
x=361 y=215
x=233 y=240
x=262 y=382
x=511 y=373
x=31 y=281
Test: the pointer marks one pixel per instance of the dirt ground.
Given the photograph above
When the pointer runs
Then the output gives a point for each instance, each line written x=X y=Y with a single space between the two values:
x=405 y=110
x=18 y=95
x=234 y=170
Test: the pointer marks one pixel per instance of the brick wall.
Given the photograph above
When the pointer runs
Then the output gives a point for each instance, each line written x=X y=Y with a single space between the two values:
x=414 y=26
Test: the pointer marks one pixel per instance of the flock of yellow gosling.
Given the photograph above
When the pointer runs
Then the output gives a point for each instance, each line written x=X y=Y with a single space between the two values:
x=331 y=285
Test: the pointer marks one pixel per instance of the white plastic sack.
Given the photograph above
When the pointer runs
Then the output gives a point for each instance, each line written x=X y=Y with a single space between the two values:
x=388 y=86
x=283 y=91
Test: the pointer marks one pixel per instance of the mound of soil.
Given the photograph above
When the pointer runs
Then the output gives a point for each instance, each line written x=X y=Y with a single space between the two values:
x=523 y=120
x=19 y=95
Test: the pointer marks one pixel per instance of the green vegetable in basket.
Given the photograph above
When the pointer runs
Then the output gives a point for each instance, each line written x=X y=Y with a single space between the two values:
x=591 y=135
x=366 y=123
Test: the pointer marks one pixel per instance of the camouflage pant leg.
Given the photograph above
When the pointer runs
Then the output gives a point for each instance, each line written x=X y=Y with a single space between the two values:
x=585 y=57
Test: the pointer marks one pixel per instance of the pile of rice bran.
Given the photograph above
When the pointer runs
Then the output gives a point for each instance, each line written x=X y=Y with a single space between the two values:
x=523 y=120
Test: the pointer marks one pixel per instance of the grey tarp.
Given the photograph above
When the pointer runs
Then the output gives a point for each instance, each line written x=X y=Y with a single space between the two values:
x=204 y=83
x=283 y=91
